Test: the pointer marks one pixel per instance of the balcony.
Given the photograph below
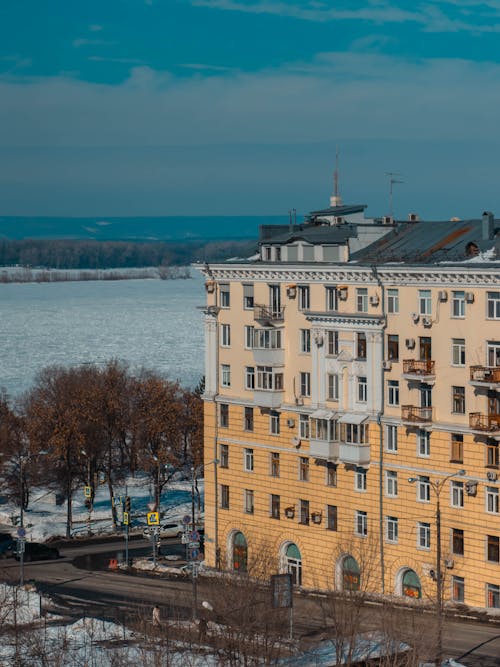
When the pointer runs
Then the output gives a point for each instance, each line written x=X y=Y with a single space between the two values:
x=480 y=423
x=324 y=449
x=268 y=356
x=268 y=398
x=266 y=316
x=411 y=414
x=421 y=370
x=485 y=376
x=358 y=455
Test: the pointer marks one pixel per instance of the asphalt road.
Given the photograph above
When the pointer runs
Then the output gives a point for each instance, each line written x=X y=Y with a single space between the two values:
x=78 y=582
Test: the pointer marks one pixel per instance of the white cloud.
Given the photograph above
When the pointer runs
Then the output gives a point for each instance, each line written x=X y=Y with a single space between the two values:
x=95 y=27
x=84 y=41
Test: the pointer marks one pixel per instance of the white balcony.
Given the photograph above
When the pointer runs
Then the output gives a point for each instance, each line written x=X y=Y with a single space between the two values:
x=358 y=455
x=324 y=449
x=268 y=398
x=269 y=356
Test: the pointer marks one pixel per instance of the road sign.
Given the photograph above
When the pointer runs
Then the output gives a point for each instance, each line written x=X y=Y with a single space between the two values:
x=21 y=532
x=194 y=536
x=153 y=518
x=282 y=590
x=186 y=519
x=126 y=520
x=87 y=492
x=21 y=546
x=194 y=545
x=194 y=554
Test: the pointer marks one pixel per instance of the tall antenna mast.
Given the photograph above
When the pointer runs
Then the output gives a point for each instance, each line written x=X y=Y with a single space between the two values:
x=336 y=199
x=392 y=180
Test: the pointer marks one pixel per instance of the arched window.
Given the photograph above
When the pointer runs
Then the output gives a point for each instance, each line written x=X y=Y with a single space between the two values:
x=351 y=574
x=411 y=585
x=294 y=564
x=240 y=553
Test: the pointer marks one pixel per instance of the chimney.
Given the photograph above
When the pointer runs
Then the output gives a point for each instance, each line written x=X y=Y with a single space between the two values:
x=488 y=226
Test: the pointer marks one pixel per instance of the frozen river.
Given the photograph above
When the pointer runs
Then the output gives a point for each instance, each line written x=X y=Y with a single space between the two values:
x=155 y=324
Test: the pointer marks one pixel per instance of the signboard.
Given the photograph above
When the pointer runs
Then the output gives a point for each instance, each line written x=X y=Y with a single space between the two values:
x=194 y=536
x=194 y=554
x=87 y=492
x=186 y=519
x=194 y=545
x=20 y=546
x=126 y=518
x=21 y=532
x=153 y=518
x=282 y=591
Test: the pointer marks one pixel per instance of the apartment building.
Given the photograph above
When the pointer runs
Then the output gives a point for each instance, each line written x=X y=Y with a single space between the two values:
x=352 y=406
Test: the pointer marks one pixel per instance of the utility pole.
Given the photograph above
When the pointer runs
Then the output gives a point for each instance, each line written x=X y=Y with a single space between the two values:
x=392 y=181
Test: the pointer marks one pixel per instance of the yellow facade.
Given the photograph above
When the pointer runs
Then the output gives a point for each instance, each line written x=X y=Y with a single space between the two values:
x=447 y=320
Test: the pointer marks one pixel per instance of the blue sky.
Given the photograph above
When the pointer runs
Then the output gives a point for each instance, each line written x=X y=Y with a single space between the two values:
x=171 y=107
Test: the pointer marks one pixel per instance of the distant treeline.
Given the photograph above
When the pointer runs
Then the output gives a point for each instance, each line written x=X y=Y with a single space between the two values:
x=89 y=254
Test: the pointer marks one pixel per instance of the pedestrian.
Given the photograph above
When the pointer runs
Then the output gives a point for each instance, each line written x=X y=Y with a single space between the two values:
x=156 y=616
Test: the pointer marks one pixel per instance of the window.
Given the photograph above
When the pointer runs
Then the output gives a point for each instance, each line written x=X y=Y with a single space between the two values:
x=456 y=493
x=248 y=460
x=362 y=300
x=225 y=335
x=493 y=305
x=304 y=297
x=275 y=464
x=224 y=456
x=275 y=300
x=304 y=511
x=332 y=390
x=493 y=548
x=423 y=443
x=248 y=301
x=332 y=300
x=391 y=483
x=325 y=429
x=249 y=337
x=492 y=457
x=360 y=480
x=332 y=342
x=393 y=392
x=274 y=423
x=331 y=517
x=457 y=541
x=224 y=496
x=226 y=375
x=331 y=474
x=225 y=301
x=362 y=389
x=493 y=354
x=458 y=351
x=305 y=340
x=423 y=535
x=492 y=499
x=305 y=384
x=304 y=469
x=249 y=377
x=424 y=489
x=424 y=302
x=267 y=339
x=392 y=438
x=304 y=426
x=393 y=347
x=361 y=523
x=361 y=345
x=393 y=301
x=248 y=419
x=493 y=596
x=458 y=400
x=458 y=304
x=248 y=501
x=425 y=395
x=391 y=529
x=457 y=589
x=457 y=448
x=267 y=253
x=275 y=506
x=224 y=415
x=268 y=378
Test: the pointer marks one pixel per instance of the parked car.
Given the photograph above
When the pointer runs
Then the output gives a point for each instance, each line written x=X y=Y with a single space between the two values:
x=7 y=545
x=166 y=530
x=37 y=551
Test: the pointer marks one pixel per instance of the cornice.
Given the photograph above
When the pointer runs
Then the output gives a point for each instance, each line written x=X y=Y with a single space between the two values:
x=347 y=321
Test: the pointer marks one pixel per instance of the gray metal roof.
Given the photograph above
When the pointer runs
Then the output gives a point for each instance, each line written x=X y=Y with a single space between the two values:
x=339 y=211
x=314 y=234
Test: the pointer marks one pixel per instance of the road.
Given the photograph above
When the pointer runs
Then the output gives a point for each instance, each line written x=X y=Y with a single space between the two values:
x=79 y=582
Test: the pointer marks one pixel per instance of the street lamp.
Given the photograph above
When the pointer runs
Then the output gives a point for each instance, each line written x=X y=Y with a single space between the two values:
x=23 y=459
x=437 y=487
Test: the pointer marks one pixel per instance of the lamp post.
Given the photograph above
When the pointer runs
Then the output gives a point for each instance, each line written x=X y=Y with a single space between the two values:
x=437 y=486
x=21 y=541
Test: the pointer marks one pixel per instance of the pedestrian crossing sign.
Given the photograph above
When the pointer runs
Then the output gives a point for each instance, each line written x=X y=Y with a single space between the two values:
x=87 y=492
x=153 y=518
x=126 y=518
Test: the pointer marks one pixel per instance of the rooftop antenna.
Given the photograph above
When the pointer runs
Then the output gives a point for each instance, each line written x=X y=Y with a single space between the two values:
x=336 y=199
x=392 y=180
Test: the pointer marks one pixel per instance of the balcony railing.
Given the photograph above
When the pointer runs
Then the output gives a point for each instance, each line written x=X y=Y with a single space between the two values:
x=484 y=375
x=412 y=414
x=268 y=398
x=358 y=455
x=484 y=423
x=422 y=368
x=324 y=449
x=267 y=316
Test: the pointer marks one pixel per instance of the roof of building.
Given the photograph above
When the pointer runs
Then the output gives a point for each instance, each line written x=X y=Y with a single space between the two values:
x=431 y=242
x=314 y=234
x=339 y=211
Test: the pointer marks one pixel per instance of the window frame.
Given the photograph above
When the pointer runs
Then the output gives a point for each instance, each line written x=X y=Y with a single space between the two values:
x=304 y=297
x=457 y=493
x=248 y=459
x=458 y=352
x=274 y=464
x=492 y=500
x=393 y=393
x=305 y=384
x=248 y=419
x=392 y=529
x=458 y=304
x=393 y=301
x=457 y=400
x=391 y=438
x=425 y=302
x=225 y=377
x=493 y=305
x=225 y=335
x=423 y=535
x=223 y=456
x=224 y=415
x=391 y=483
x=305 y=341
x=248 y=501
x=361 y=523
x=304 y=469
x=362 y=299
x=224 y=496
x=250 y=378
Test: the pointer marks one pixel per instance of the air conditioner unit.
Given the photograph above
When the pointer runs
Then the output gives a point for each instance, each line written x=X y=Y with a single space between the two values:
x=492 y=476
x=415 y=317
x=443 y=295
x=316 y=517
x=296 y=442
x=291 y=291
x=410 y=343
x=471 y=488
x=469 y=297
x=387 y=365
x=290 y=423
x=290 y=512
x=427 y=321
x=374 y=300
x=449 y=563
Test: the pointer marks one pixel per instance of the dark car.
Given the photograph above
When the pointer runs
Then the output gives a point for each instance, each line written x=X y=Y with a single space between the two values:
x=7 y=546
x=37 y=551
